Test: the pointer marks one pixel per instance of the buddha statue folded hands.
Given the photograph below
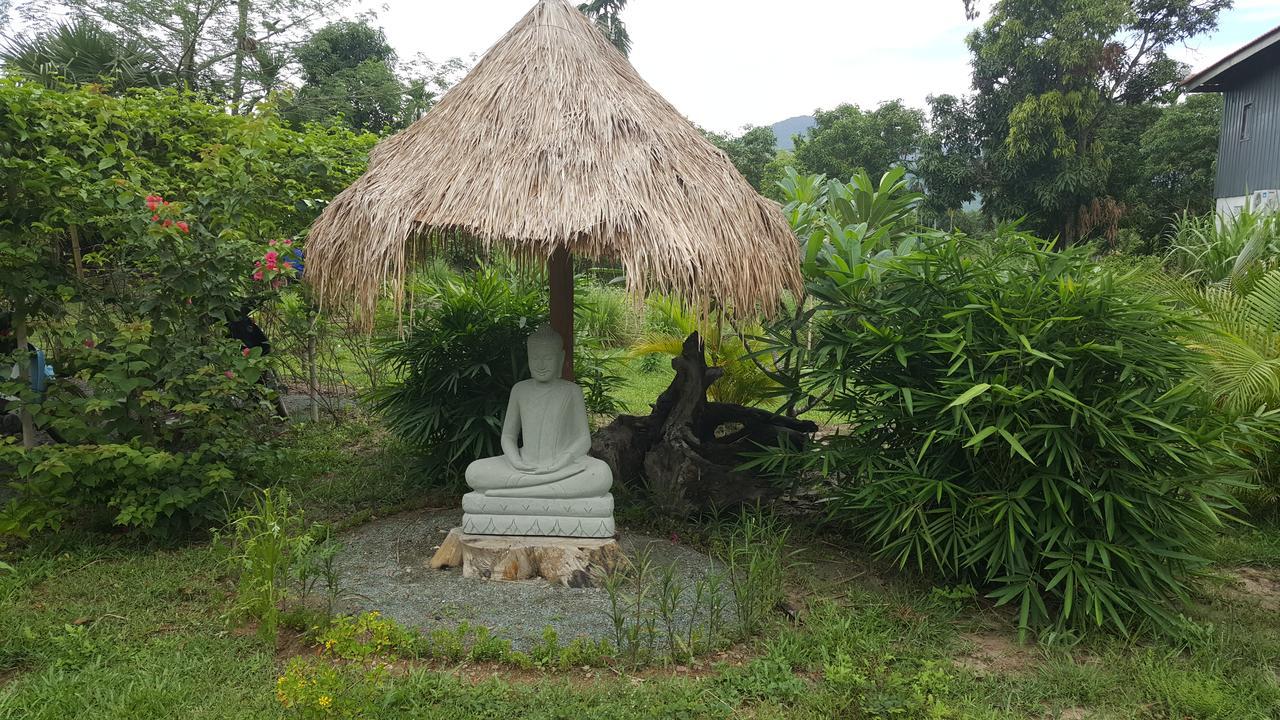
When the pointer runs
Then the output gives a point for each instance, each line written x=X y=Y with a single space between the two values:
x=544 y=482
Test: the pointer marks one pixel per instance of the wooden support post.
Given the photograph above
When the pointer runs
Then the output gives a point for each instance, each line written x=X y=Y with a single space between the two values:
x=560 y=277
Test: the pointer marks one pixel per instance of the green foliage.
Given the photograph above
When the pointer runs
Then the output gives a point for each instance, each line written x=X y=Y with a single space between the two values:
x=1025 y=420
x=133 y=293
x=1216 y=248
x=948 y=164
x=605 y=314
x=846 y=231
x=348 y=69
x=463 y=353
x=1180 y=154
x=1053 y=80
x=275 y=556
x=743 y=382
x=80 y=52
x=755 y=560
x=141 y=487
x=456 y=366
x=233 y=50
x=848 y=139
x=607 y=15
x=751 y=152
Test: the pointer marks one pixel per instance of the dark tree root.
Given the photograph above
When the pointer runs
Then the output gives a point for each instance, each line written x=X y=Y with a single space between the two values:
x=682 y=456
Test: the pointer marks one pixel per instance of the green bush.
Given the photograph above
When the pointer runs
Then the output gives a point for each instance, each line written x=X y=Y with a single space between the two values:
x=465 y=350
x=1024 y=420
x=457 y=364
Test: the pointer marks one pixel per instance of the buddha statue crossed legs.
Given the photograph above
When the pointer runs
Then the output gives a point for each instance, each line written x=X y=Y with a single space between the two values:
x=543 y=483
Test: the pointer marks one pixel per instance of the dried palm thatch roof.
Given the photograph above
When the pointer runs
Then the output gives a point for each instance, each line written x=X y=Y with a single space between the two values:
x=552 y=140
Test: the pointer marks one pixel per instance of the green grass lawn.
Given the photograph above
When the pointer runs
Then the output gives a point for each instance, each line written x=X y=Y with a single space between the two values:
x=97 y=628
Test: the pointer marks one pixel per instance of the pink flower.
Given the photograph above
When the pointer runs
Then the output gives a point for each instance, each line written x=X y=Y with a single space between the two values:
x=168 y=223
x=288 y=242
x=245 y=352
x=257 y=275
x=89 y=342
x=184 y=227
x=229 y=374
x=272 y=243
x=155 y=218
x=271 y=256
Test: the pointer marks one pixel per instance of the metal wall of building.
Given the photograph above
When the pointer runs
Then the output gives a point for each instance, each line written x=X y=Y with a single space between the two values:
x=1252 y=164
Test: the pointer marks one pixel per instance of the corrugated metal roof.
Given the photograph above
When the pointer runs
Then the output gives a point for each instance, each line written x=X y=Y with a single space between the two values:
x=1211 y=78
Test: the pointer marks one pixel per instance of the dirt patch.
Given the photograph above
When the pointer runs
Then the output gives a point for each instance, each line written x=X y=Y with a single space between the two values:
x=994 y=653
x=1257 y=586
x=8 y=675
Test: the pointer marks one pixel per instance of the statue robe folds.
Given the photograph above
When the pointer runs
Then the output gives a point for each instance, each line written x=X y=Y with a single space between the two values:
x=547 y=484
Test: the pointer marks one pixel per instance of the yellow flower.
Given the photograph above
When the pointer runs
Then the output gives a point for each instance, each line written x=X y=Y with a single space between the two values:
x=325 y=701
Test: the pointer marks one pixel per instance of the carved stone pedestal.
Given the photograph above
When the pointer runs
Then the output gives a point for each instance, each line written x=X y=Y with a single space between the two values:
x=574 y=562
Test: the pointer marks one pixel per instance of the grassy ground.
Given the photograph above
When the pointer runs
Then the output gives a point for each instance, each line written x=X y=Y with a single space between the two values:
x=95 y=628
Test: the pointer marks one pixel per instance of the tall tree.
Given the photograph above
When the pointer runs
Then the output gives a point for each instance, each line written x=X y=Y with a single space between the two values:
x=948 y=165
x=1179 y=154
x=848 y=138
x=607 y=15
x=1049 y=75
x=80 y=52
x=234 y=49
x=348 y=71
x=750 y=152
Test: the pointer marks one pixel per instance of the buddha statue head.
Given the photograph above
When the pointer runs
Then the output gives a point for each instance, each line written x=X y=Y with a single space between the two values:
x=546 y=354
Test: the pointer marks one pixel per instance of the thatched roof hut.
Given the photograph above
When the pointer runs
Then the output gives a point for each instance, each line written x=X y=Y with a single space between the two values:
x=554 y=142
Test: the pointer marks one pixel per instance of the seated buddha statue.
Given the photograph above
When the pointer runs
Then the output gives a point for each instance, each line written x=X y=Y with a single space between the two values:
x=544 y=482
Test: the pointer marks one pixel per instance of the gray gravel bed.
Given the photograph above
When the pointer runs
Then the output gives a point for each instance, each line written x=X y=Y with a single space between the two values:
x=383 y=566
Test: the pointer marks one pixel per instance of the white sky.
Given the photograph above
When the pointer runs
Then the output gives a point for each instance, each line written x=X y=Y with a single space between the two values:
x=729 y=63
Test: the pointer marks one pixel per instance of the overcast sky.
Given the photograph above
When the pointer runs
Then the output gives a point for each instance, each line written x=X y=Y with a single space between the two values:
x=729 y=63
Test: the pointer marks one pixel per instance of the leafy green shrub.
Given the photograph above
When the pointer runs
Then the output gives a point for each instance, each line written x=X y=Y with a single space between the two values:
x=273 y=553
x=605 y=314
x=671 y=321
x=456 y=366
x=1024 y=420
x=145 y=488
x=1216 y=247
x=165 y=410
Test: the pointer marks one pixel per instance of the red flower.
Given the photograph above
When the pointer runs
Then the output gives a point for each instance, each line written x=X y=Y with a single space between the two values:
x=184 y=227
x=288 y=242
x=155 y=218
x=89 y=342
x=229 y=374
x=257 y=275
x=245 y=352
x=168 y=223
x=271 y=256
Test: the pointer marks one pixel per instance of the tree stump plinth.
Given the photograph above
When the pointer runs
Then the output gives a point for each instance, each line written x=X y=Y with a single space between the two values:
x=572 y=562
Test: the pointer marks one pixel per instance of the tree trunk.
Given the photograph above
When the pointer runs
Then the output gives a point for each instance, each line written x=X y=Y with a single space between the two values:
x=685 y=453
x=237 y=73
x=24 y=377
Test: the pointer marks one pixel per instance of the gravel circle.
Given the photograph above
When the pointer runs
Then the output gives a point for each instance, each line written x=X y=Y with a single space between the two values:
x=383 y=565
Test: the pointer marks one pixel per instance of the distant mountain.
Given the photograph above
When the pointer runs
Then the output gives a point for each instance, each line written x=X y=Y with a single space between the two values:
x=784 y=129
